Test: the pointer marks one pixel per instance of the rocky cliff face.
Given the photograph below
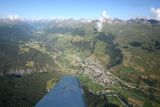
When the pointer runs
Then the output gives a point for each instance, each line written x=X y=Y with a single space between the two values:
x=22 y=71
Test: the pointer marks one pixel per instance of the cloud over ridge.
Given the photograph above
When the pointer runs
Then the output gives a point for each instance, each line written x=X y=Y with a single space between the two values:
x=156 y=12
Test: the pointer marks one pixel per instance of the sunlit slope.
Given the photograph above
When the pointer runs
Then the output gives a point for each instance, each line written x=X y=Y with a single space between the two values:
x=141 y=50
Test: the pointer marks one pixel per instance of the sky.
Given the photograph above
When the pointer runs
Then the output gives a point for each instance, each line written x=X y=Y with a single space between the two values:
x=43 y=9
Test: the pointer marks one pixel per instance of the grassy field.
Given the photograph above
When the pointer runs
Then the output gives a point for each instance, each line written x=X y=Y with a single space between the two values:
x=91 y=85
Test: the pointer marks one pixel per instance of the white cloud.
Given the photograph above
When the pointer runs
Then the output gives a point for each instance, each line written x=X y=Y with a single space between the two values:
x=13 y=17
x=52 y=18
x=101 y=20
x=156 y=12
x=104 y=14
x=99 y=26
